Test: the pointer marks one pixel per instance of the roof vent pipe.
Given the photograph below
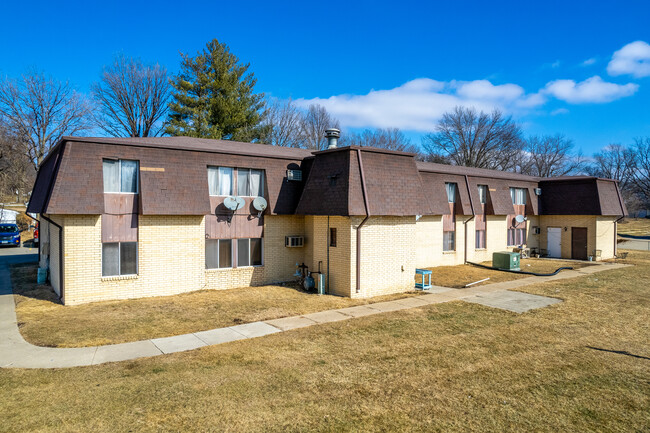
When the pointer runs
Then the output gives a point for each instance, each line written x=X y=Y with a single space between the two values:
x=332 y=135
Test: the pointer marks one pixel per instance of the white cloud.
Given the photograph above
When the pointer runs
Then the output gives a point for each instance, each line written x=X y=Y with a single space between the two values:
x=588 y=62
x=591 y=90
x=559 y=111
x=418 y=104
x=633 y=59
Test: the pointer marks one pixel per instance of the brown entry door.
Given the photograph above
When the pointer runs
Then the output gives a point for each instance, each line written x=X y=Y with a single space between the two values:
x=579 y=243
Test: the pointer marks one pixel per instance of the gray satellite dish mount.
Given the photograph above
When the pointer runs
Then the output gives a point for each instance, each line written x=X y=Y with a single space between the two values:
x=260 y=205
x=233 y=204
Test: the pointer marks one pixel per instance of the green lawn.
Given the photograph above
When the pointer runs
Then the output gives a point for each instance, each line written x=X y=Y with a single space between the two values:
x=578 y=366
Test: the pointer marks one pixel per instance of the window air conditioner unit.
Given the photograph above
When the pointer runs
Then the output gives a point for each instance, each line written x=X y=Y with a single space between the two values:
x=536 y=230
x=294 y=241
x=295 y=175
x=538 y=191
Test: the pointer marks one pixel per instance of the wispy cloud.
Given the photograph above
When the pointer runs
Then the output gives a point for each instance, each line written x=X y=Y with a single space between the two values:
x=589 y=62
x=591 y=90
x=633 y=59
x=559 y=111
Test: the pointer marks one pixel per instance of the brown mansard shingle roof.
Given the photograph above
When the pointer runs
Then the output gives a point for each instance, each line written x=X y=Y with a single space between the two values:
x=70 y=180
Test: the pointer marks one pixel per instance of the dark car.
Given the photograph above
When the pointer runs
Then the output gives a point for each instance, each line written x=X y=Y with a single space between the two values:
x=9 y=235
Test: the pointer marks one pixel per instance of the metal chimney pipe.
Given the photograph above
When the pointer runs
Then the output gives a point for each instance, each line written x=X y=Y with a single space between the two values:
x=332 y=135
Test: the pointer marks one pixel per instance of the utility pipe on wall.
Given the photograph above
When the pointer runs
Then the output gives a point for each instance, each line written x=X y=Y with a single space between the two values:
x=365 y=203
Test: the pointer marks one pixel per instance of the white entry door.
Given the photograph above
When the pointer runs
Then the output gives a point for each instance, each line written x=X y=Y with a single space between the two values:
x=554 y=245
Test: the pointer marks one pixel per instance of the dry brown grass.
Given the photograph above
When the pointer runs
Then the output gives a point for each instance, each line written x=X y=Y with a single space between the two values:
x=459 y=276
x=579 y=366
x=45 y=322
x=634 y=227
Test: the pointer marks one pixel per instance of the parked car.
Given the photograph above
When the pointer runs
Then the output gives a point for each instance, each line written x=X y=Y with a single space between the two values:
x=9 y=235
x=36 y=234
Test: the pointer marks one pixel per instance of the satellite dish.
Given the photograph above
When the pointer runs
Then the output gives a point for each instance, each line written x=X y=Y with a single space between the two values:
x=259 y=203
x=230 y=203
x=520 y=219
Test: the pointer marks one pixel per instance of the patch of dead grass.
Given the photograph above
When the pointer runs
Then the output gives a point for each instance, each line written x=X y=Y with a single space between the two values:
x=43 y=321
x=453 y=367
x=634 y=227
x=461 y=275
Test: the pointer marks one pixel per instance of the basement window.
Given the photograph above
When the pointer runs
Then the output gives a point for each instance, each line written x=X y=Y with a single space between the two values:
x=120 y=176
x=119 y=258
x=332 y=237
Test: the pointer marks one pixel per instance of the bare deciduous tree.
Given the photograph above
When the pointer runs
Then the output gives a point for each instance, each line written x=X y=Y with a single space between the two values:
x=313 y=124
x=642 y=172
x=40 y=110
x=616 y=162
x=476 y=139
x=132 y=98
x=384 y=138
x=550 y=155
x=16 y=171
x=283 y=122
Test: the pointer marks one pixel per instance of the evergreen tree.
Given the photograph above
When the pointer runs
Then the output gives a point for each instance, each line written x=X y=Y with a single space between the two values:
x=214 y=97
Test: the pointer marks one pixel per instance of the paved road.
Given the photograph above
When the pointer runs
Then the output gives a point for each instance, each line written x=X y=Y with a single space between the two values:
x=6 y=251
x=635 y=244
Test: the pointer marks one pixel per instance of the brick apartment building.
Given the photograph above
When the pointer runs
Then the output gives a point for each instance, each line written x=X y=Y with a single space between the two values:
x=133 y=217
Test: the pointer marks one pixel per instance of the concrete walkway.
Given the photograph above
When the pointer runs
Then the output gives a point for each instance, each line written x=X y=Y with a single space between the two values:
x=15 y=352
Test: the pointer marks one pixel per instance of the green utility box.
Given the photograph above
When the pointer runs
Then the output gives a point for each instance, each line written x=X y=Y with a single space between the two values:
x=506 y=260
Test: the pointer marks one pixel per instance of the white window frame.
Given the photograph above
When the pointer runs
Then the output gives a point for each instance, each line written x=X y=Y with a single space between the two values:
x=250 y=257
x=232 y=256
x=482 y=198
x=119 y=259
x=455 y=191
x=249 y=171
x=119 y=175
x=232 y=181
x=518 y=196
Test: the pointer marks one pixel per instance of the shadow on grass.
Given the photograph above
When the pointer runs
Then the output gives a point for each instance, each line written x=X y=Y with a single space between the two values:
x=620 y=352
x=23 y=281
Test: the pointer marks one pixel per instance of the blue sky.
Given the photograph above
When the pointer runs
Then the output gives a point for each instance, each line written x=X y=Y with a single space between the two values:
x=401 y=64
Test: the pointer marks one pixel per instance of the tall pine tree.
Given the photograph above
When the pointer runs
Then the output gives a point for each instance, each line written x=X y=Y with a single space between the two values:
x=214 y=97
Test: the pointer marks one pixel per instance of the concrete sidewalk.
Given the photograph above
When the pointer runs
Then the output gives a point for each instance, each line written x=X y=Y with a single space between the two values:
x=15 y=352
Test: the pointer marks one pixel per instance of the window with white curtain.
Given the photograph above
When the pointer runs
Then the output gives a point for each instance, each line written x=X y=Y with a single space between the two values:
x=220 y=180
x=120 y=176
x=482 y=193
x=516 y=236
x=518 y=196
x=451 y=192
x=119 y=258
x=250 y=182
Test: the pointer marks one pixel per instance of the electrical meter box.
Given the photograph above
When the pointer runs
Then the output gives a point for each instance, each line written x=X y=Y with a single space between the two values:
x=506 y=260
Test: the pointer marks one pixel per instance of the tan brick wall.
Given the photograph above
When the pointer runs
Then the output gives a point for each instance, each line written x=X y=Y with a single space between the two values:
x=171 y=259
x=600 y=232
x=340 y=257
x=388 y=256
